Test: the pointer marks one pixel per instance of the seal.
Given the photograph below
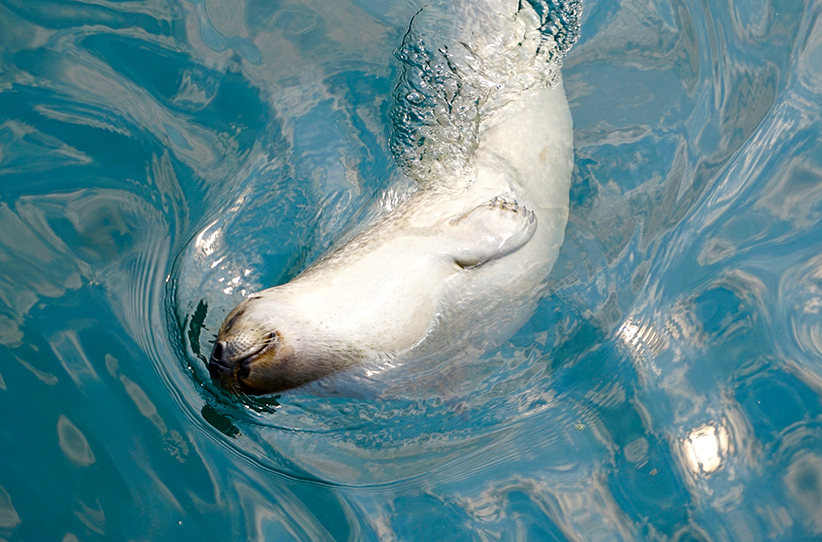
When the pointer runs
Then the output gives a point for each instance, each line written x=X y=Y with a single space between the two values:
x=460 y=264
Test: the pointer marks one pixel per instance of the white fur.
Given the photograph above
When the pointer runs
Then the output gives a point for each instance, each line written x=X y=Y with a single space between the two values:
x=398 y=290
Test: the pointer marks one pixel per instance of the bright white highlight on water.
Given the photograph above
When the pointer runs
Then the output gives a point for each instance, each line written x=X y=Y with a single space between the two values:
x=208 y=243
x=705 y=448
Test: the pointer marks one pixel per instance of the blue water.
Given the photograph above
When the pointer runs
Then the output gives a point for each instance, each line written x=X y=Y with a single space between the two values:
x=158 y=160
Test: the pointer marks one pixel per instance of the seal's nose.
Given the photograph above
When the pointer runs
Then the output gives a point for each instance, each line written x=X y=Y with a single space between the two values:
x=217 y=366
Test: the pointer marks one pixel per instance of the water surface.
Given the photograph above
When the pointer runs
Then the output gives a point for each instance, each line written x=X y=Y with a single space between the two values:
x=159 y=160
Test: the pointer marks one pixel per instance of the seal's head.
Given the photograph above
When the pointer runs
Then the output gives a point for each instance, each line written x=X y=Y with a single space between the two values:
x=256 y=354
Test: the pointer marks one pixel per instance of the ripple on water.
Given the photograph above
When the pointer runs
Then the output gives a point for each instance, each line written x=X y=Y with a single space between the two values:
x=668 y=388
x=73 y=443
x=9 y=518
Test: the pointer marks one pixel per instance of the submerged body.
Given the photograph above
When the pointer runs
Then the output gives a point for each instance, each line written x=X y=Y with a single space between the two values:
x=461 y=262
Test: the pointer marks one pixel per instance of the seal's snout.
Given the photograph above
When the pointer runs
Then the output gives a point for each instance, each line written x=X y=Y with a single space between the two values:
x=236 y=351
x=218 y=366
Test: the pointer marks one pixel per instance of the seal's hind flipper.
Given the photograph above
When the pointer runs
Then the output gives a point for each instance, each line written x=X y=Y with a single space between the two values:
x=490 y=231
x=463 y=60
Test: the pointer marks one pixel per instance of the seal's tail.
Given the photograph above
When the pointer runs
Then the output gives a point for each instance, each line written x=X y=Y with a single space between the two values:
x=462 y=61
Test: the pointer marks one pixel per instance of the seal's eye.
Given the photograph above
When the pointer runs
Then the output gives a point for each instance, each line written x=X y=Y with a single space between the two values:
x=233 y=320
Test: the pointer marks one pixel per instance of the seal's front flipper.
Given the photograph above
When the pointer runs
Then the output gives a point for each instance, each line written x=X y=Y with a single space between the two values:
x=490 y=231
